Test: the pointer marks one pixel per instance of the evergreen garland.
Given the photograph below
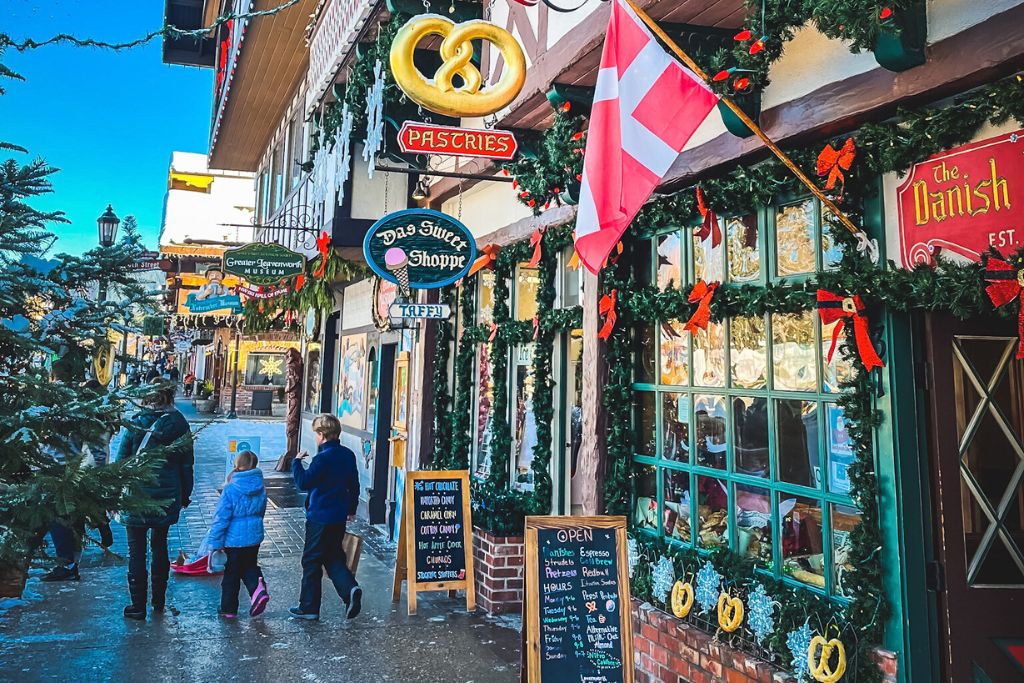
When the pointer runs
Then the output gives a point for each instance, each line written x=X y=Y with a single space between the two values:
x=442 y=449
x=552 y=176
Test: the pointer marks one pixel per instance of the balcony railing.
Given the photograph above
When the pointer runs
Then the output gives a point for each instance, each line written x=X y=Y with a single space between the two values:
x=331 y=39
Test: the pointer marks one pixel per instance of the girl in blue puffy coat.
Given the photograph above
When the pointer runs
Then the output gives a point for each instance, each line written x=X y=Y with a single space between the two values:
x=238 y=529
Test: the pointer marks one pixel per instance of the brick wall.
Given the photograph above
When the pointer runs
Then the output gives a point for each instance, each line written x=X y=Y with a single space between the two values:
x=498 y=566
x=668 y=650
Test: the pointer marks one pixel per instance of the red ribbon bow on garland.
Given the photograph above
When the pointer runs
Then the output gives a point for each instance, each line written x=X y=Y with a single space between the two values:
x=323 y=245
x=701 y=295
x=487 y=257
x=833 y=308
x=1006 y=284
x=536 y=240
x=300 y=280
x=833 y=162
x=710 y=225
x=606 y=307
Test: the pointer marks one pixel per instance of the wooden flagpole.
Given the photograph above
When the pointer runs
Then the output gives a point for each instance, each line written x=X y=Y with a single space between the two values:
x=742 y=115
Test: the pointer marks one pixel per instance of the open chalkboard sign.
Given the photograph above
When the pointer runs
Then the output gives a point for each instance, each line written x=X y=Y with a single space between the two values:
x=578 y=623
x=435 y=539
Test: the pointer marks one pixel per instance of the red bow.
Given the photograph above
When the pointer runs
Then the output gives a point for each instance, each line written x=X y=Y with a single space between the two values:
x=1006 y=283
x=833 y=308
x=323 y=245
x=832 y=162
x=487 y=258
x=710 y=225
x=494 y=332
x=701 y=295
x=535 y=241
x=606 y=307
x=300 y=280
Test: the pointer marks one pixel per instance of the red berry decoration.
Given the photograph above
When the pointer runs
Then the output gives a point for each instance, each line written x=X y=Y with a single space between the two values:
x=524 y=194
x=758 y=45
x=547 y=205
x=515 y=184
x=556 y=190
x=577 y=136
x=885 y=13
x=743 y=35
x=741 y=84
x=579 y=176
x=566 y=106
x=723 y=75
x=505 y=171
x=531 y=203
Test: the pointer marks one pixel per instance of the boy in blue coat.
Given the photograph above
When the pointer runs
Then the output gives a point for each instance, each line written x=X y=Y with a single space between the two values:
x=238 y=529
x=332 y=481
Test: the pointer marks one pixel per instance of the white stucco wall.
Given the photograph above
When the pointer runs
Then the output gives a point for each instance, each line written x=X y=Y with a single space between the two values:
x=203 y=215
x=486 y=207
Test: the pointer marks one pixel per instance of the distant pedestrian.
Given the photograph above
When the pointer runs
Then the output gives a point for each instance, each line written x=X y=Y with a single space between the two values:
x=333 y=485
x=189 y=384
x=152 y=375
x=174 y=375
x=159 y=428
x=238 y=530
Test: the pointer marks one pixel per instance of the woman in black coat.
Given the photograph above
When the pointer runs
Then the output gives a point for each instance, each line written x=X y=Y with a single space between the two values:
x=169 y=435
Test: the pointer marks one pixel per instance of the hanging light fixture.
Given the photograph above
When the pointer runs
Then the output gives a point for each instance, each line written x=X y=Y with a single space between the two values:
x=422 y=190
x=107 y=226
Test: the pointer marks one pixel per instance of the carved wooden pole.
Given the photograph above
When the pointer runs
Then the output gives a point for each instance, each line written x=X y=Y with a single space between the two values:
x=591 y=464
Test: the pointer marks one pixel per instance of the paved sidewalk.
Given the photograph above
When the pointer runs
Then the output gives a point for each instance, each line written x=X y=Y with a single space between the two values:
x=75 y=631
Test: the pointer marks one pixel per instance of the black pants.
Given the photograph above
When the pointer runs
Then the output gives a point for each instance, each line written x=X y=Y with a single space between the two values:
x=242 y=567
x=323 y=552
x=159 y=567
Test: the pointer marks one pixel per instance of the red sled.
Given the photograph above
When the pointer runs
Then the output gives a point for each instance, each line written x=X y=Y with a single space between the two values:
x=199 y=567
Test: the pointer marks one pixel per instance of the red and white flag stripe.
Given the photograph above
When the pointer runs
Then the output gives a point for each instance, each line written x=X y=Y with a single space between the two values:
x=646 y=108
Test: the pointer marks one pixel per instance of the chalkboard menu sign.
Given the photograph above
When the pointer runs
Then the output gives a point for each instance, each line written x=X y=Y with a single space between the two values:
x=435 y=543
x=578 y=623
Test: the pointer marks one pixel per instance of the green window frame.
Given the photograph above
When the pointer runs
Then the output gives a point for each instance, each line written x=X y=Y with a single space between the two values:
x=739 y=441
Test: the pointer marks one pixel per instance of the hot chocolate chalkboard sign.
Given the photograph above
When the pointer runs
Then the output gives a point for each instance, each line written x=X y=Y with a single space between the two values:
x=435 y=542
x=578 y=623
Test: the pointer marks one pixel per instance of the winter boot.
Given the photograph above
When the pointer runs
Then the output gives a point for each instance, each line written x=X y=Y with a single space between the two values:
x=137 y=609
x=159 y=593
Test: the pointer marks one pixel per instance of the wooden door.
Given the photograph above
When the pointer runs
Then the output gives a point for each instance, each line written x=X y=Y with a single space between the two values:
x=977 y=459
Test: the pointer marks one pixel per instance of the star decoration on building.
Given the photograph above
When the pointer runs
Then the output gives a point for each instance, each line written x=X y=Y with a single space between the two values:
x=374 y=118
x=662 y=578
x=799 y=642
x=709 y=585
x=760 y=611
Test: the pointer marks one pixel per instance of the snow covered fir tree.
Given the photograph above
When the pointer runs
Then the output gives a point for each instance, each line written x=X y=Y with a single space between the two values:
x=53 y=328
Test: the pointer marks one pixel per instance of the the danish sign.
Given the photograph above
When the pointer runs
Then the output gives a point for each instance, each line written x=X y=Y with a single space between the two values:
x=419 y=249
x=426 y=138
x=964 y=201
x=428 y=311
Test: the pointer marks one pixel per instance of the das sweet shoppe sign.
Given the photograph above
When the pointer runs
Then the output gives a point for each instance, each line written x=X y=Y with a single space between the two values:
x=964 y=201
x=419 y=249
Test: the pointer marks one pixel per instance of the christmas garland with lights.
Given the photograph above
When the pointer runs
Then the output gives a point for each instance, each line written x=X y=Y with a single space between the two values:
x=497 y=507
x=311 y=289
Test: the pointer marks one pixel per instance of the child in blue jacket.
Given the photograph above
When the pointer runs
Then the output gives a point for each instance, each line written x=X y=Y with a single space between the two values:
x=238 y=529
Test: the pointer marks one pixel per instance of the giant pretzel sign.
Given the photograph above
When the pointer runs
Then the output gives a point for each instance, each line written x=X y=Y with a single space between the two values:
x=439 y=94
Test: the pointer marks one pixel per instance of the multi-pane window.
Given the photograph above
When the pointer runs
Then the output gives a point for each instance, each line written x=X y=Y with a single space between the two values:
x=738 y=438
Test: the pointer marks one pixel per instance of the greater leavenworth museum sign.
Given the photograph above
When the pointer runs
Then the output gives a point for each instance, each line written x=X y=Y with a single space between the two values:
x=419 y=249
x=263 y=264
x=964 y=201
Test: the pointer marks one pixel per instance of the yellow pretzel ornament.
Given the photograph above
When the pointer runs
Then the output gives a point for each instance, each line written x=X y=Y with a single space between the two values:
x=730 y=612
x=682 y=599
x=821 y=668
x=439 y=94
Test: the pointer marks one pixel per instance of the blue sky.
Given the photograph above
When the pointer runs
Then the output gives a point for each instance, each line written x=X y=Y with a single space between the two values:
x=108 y=120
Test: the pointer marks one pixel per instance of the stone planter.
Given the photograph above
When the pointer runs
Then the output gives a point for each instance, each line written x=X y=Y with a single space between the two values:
x=12 y=581
x=206 y=405
x=498 y=569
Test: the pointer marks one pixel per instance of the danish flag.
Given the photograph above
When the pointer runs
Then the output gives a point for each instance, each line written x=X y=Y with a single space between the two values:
x=646 y=107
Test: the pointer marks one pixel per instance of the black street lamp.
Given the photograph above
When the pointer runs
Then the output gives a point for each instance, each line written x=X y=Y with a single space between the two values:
x=107 y=225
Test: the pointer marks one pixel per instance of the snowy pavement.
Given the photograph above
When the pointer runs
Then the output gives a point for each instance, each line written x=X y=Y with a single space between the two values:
x=75 y=631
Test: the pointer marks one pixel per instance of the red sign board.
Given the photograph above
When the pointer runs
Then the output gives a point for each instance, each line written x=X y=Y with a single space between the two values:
x=963 y=201
x=265 y=292
x=426 y=138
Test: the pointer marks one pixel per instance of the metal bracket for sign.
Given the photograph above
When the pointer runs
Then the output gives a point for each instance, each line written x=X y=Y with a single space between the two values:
x=443 y=174
x=296 y=226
